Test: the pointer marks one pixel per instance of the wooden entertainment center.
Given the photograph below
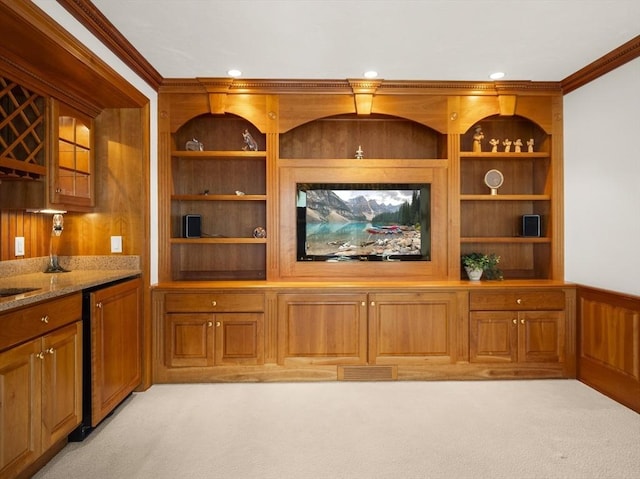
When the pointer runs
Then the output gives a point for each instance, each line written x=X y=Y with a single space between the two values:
x=234 y=306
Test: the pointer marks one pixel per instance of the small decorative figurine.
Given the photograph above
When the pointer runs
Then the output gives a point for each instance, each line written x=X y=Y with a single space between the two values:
x=494 y=144
x=517 y=145
x=259 y=232
x=194 y=145
x=239 y=193
x=477 y=139
x=359 y=153
x=250 y=143
x=530 y=145
x=507 y=145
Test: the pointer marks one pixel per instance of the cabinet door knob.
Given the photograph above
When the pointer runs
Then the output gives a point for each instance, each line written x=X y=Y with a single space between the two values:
x=40 y=355
x=209 y=323
x=515 y=321
x=50 y=351
x=218 y=323
x=522 y=321
x=45 y=319
x=99 y=305
x=519 y=301
x=373 y=303
x=362 y=304
x=214 y=303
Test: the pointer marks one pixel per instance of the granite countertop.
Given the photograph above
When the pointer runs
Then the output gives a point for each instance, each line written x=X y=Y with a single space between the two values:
x=84 y=273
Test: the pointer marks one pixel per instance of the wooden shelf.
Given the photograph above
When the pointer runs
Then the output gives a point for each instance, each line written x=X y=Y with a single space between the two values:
x=505 y=197
x=503 y=156
x=505 y=239
x=218 y=240
x=221 y=154
x=219 y=197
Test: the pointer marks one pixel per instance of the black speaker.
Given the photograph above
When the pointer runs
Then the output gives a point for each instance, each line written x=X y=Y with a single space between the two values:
x=191 y=226
x=530 y=225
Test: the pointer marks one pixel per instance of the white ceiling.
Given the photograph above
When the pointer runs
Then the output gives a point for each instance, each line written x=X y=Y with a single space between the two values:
x=540 y=40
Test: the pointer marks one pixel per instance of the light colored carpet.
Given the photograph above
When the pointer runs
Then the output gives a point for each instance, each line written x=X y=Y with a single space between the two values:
x=461 y=429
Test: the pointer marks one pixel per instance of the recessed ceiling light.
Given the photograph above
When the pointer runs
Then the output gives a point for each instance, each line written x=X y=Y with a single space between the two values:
x=496 y=75
x=234 y=73
x=370 y=74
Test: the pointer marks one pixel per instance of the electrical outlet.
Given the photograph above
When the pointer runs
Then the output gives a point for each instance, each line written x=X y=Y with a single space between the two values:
x=19 y=246
x=116 y=244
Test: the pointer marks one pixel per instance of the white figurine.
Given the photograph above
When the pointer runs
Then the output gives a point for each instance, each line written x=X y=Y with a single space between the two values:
x=507 y=145
x=518 y=145
x=194 y=145
x=494 y=144
x=359 y=153
x=477 y=139
x=530 y=145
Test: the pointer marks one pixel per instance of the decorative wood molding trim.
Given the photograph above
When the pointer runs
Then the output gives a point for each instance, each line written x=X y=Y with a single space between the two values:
x=609 y=62
x=55 y=62
x=349 y=86
x=88 y=14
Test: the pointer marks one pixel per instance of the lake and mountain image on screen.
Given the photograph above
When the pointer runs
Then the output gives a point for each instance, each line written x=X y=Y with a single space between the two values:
x=352 y=222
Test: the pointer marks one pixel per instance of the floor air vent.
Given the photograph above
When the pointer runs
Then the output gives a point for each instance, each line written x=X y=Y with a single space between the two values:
x=367 y=373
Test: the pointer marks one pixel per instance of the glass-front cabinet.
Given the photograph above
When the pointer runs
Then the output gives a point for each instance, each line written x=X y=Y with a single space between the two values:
x=72 y=164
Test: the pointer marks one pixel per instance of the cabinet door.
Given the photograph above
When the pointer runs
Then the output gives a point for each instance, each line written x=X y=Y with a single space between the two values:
x=412 y=328
x=189 y=339
x=239 y=338
x=72 y=168
x=20 y=407
x=322 y=328
x=493 y=336
x=541 y=336
x=116 y=323
x=61 y=383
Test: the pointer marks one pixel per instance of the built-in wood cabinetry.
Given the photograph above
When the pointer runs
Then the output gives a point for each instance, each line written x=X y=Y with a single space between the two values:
x=207 y=329
x=280 y=331
x=116 y=345
x=40 y=380
x=420 y=318
x=526 y=326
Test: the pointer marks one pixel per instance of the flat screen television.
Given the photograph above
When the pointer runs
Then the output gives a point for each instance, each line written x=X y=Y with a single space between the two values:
x=363 y=222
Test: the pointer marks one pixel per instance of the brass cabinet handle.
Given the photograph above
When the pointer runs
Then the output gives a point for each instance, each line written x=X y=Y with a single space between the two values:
x=40 y=355
x=522 y=321
x=362 y=304
x=45 y=319
x=50 y=351
x=515 y=321
x=99 y=305
x=218 y=323
x=373 y=303
x=519 y=301
x=209 y=323
x=214 y=303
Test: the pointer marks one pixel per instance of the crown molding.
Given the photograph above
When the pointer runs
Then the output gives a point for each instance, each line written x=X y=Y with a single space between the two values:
x=603 y=65
x=88 y=15
x=351 y=86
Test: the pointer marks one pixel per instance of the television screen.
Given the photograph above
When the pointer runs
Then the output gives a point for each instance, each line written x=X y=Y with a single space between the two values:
x=364 y=222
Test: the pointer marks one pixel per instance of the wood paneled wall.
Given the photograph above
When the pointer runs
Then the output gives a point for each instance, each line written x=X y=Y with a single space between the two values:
x=609 y=344
x=121 y=200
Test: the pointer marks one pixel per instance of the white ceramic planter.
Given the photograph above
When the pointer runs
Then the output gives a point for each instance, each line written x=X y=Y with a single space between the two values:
x=474 y=274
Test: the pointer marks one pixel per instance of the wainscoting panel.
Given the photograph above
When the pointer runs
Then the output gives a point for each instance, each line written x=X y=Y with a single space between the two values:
x=609 y=344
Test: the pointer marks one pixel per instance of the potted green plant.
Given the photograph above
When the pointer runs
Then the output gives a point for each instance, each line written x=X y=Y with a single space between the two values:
x=475 y=264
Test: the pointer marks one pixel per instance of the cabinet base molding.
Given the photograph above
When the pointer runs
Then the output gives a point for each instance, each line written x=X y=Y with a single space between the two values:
x=276 y=373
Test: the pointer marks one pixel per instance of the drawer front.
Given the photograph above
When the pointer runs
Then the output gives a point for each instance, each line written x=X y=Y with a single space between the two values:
x=516 y=300
x=214 y=302
x=27 y=323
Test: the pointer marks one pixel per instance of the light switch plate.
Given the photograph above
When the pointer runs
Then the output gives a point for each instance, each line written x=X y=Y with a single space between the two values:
x=116 y=244
x=19 y=246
